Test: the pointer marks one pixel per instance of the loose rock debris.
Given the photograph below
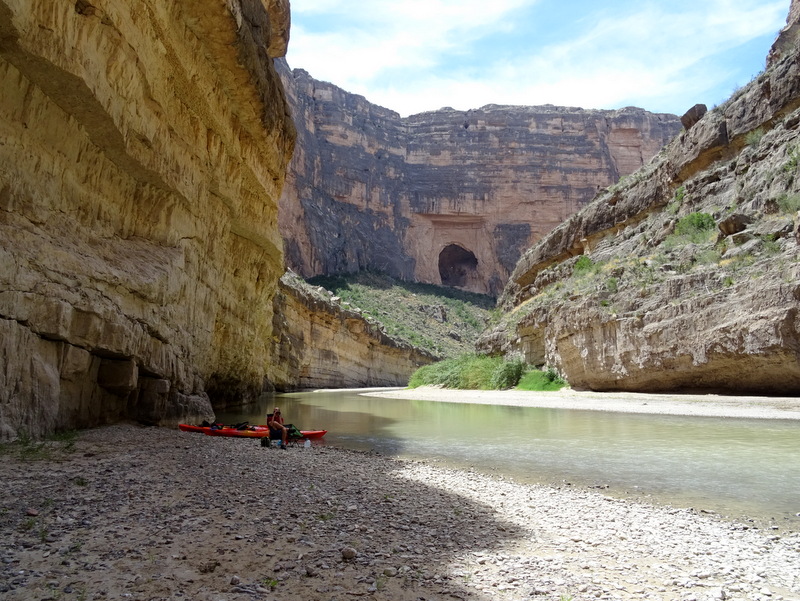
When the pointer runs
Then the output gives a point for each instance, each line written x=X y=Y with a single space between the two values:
x=152 y=513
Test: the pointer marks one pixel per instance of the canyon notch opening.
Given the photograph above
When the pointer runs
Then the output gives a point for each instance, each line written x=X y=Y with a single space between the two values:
x=456 y=265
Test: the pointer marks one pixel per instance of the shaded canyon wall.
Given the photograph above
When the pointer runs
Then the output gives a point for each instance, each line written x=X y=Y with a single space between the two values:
x=143 y=147
x=444 y=197
x=320 y=342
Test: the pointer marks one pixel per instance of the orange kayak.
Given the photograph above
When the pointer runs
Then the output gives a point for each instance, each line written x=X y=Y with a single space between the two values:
x=246 y=431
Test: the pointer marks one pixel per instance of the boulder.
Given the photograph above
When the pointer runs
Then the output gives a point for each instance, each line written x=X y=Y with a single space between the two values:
x=733 y=224
x=693 y=115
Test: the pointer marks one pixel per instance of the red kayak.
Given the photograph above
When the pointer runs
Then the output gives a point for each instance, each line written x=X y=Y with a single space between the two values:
x=247 y=431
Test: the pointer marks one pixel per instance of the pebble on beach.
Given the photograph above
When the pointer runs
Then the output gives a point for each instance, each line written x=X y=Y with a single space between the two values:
x=149 y=513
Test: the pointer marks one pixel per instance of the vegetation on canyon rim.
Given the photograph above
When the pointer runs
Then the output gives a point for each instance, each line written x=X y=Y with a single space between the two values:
x=444 y=321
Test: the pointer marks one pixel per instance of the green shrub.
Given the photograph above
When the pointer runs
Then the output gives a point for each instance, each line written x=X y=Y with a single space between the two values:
x=471 y=372
x=422 y=376
x=449 y=374
x=693 y=223
x=792 y=161
x=789 y=204
x=612 y=285
x=476 y=373
x=507 y=374
x=466 y=372
x=583 y=266
x=675 y=205
x=753 y=138
x=537 y=380
x=771 y=244
x=696 y=228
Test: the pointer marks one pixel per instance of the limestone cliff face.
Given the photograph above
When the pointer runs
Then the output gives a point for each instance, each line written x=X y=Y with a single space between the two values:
x=322 y=343
x=650 y=307
x=445 y=197
x=143 y=147
x=788 y=38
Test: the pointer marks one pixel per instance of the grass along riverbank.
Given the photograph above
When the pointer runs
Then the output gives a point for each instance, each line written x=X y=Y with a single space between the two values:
x=480 y=372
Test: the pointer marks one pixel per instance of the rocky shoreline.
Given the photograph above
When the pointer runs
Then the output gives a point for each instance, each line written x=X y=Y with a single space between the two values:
x=151 y=513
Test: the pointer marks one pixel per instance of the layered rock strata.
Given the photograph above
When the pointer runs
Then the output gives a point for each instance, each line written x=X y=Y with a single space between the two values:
x=649 y=307
x=320 y=342
x=787 y=40
x=445 y=197
x=143 y=147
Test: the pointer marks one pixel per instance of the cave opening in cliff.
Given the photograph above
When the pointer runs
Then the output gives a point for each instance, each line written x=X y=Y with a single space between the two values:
x=457 y=265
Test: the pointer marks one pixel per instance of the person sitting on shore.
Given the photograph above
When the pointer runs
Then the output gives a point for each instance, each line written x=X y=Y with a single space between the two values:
x=277 y=430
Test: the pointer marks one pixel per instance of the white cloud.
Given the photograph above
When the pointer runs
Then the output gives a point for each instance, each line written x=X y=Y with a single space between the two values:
x=367 y=38
x=661 y=56
x=649 y=54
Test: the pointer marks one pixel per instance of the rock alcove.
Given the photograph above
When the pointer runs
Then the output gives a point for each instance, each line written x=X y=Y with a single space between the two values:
x=457 y=265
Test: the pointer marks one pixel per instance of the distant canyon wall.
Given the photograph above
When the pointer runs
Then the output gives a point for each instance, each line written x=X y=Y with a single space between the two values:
x=143 y=148
x=445 y=197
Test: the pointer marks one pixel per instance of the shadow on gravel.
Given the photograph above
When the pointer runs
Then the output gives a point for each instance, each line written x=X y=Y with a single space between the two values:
x=158 y=514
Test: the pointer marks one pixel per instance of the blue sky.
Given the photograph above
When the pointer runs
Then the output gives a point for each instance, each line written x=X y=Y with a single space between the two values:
x=418 y=55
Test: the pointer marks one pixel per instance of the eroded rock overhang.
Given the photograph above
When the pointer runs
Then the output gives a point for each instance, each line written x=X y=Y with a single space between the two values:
x=144 y=147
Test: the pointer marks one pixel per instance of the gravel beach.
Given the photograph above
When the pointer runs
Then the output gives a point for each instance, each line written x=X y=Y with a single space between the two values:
x=127 y=512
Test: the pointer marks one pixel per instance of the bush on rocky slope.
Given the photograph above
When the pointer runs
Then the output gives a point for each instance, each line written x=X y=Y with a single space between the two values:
x=444 y=321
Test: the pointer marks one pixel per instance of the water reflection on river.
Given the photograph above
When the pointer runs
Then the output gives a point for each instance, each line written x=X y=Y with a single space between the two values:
x=731 y=466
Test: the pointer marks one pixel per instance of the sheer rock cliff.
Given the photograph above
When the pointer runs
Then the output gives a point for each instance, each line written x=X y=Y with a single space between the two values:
x=444 y=197
x=687 y=275
x=143 y=149
x=320 y=342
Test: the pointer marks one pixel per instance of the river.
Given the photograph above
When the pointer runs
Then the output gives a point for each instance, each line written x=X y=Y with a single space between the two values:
x=735 y=467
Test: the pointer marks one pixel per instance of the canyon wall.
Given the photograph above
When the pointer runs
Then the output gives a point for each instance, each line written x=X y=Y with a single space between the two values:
x=444 y=197
x=320 y=342
x=143 y=148
x=687 y=275
x=786 y=42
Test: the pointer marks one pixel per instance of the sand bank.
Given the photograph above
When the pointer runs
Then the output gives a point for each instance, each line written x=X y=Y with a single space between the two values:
x=709 y=405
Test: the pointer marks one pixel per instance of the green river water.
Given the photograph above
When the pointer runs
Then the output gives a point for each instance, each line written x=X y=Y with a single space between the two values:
x=735 y=467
